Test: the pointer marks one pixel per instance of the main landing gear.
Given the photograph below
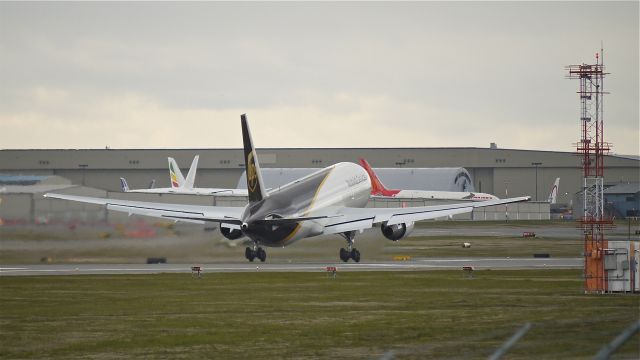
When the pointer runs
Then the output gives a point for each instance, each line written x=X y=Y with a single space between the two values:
x=253 y=252
x=350 y=252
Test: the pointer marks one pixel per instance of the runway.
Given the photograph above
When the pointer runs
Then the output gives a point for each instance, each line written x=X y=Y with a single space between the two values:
x=412 y=265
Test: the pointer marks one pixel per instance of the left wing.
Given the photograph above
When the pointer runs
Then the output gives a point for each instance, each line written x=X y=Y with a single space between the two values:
x=226 y=216
x=364 y=218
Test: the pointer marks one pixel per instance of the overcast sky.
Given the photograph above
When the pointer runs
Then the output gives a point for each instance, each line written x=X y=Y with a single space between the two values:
x=430 y=74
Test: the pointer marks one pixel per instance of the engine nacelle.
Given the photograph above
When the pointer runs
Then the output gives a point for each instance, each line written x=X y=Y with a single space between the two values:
x=397 y=231
x=230 y=234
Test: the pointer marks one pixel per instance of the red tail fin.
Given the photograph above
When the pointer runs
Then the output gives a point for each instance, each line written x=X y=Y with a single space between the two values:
x=377 y=187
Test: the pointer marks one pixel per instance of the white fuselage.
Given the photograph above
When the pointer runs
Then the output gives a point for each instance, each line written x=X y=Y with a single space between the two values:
x=193 y=191
x=443 y=195
x=320 y=193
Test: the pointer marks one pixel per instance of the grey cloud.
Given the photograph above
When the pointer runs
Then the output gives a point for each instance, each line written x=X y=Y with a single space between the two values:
x=494 y=62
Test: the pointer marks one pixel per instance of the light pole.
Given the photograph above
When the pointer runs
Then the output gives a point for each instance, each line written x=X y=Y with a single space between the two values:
x=536 y=164
x=84 y=168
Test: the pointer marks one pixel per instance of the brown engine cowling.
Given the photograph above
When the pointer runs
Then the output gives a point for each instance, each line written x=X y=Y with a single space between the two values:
x=230 y=234
x=397 y=231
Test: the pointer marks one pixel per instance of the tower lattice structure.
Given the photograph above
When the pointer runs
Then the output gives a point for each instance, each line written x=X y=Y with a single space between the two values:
x=591 y=150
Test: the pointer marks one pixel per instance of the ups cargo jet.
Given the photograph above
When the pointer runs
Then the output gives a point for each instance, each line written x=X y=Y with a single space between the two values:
x=328 y=201
x=180 y=185
x=379 y=190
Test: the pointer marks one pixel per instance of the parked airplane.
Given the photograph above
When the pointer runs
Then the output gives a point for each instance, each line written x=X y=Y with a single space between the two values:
x=328 y=201
x=553 y=195
x=379 y=190
x=180 y=185
x=432 y=179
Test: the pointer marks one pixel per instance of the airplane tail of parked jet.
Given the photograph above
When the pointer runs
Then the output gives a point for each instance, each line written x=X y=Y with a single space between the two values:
x=255 y=185
x=191 y=175
x=123 y=185
x=553 y=195
x=177 y=180
x=179 y=185
x=377 y=187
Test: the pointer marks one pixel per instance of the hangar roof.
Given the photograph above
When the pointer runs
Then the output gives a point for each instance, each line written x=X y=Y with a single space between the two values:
x=627 y=188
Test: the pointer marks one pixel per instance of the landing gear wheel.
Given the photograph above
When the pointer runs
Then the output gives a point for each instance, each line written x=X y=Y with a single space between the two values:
x=261 y=254
x=355 y=255
x=249 y=254
x=350 y=252
x=344 y=255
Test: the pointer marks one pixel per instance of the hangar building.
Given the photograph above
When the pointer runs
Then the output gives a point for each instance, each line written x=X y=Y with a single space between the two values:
x=502 y=172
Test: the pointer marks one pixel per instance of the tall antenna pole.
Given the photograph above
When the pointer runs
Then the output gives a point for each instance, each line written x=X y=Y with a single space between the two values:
x=591 y=150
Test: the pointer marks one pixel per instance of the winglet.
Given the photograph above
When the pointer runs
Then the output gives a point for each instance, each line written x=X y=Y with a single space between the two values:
x=152 y=184
x=255 y=185
x=177 y=180
x=553 y=195
x=191 y=175
x=377 y=187
x=123 y=185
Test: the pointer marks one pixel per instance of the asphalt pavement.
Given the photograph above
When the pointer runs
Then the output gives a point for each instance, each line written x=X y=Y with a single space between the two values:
x=411 y=265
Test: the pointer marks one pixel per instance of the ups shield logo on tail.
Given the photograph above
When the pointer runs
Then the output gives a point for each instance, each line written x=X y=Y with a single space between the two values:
x=252 y=174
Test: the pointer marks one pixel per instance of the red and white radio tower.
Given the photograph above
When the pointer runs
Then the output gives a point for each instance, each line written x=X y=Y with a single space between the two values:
x=591 y=149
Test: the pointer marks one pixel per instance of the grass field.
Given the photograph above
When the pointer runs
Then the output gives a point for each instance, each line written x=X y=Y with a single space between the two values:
x=359 y=315
x=202 y=250
x=485 y=246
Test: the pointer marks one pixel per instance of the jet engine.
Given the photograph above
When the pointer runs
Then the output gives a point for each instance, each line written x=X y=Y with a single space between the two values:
x=397 y=231
x=230 y=234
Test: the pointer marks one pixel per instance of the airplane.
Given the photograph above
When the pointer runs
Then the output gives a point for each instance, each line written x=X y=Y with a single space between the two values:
x=180 y=185
x=553 y=195
x=329 y=201
x=125 y=186
x=434 y=179
x=379 y=190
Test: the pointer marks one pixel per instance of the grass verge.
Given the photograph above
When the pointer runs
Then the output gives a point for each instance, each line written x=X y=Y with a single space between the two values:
x=435 y=314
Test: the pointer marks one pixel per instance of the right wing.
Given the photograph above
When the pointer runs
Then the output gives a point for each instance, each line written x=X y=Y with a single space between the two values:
x=226 y=216
x=351 y=219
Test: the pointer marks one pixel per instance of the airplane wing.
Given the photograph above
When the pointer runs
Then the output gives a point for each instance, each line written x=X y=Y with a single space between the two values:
x=193 y=191
x=363 y=218
x=215 y=191
x=152 y=191
x=226 y=216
